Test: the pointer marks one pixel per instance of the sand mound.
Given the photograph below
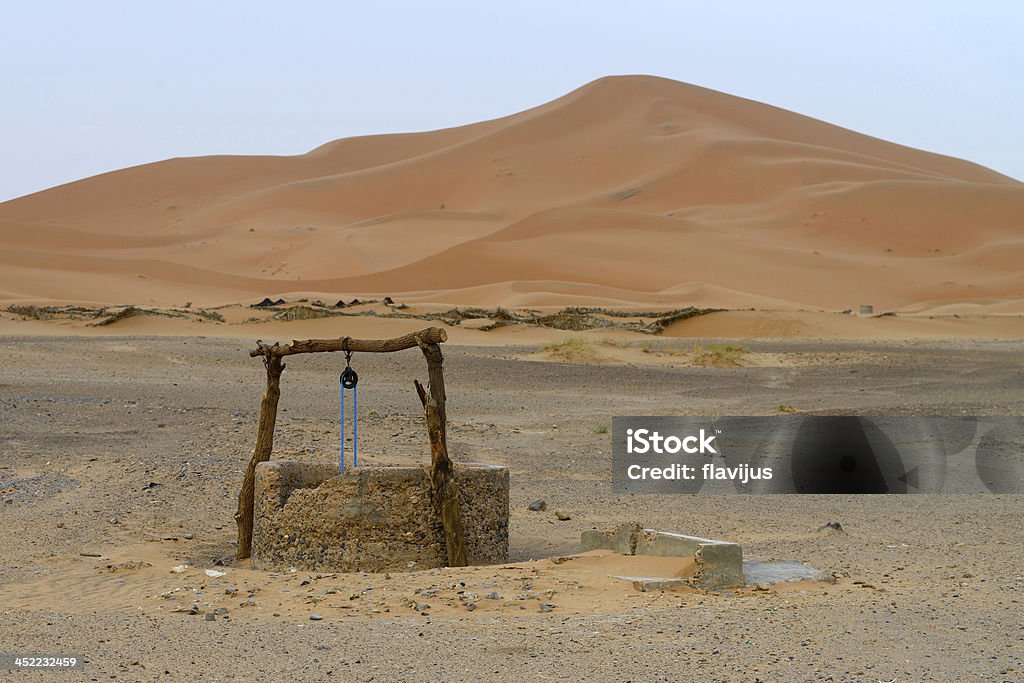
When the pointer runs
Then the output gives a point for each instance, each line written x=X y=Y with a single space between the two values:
x=628 y=191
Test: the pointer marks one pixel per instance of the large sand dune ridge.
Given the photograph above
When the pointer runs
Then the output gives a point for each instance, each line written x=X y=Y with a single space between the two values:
x=628 y=191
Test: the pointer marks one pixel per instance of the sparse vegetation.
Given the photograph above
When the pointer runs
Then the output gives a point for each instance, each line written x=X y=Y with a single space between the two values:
x=608 y=341
x=719 y=355
x=601 y=428
x=572 y=349
x=784 y=408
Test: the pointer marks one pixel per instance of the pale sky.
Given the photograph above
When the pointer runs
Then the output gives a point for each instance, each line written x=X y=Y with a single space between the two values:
x=89 y=87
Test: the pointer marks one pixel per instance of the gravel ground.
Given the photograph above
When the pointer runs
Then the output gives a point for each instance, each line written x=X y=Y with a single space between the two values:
x=109 y=443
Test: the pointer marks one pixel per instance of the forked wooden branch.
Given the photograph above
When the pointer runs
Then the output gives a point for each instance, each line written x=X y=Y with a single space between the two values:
x=261 y=453
x=442 y=482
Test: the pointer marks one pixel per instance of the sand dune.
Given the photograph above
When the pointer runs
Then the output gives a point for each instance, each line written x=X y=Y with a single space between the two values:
x=628 y=191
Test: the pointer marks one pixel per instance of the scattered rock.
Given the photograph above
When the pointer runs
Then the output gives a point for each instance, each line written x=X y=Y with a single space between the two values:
x=211 y=617
x=220 y=611
x=247 y=603
x=230 y=591
x=340 y=304
x=831 y=526
x=545 y=607
x=388 y=300
x=537 y=506
x=471 y=607
x=114 y=520
x=180 y=569
x=263 y=304
x=493 y=595
x=188 y=537
x=562 y=516
x=315 y=617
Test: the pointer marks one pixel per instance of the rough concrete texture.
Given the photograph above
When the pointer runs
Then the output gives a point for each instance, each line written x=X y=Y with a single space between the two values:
x=621 y=539
x=719 y=563
x=371 y=519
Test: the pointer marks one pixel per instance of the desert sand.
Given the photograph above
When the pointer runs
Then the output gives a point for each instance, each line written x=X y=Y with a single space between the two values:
x=715 y=253
x=630 y=191
x=122 y=458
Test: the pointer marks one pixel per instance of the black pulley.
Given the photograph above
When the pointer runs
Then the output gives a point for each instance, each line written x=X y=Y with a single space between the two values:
x=349 y=378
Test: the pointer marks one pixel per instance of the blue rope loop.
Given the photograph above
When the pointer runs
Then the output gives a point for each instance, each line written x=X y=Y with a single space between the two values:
x=348 y=380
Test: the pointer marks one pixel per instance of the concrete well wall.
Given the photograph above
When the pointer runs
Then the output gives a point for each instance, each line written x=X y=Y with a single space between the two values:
x=371 y=519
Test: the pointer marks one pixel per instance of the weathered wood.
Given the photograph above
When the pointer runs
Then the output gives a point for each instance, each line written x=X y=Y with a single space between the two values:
x=442 y=474
x=431 y=335
x=261 y=453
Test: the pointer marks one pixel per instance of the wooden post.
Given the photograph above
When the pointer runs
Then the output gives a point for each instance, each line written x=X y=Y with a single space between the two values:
x=442 y=473
x=261 y=453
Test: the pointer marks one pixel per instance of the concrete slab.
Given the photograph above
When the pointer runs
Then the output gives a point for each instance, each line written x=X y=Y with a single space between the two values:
x=653 y=583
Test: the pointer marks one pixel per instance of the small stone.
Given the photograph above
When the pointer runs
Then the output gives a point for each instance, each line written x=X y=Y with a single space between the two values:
x=545 y=607
x=114 y=520
x=211 y=617
x=188 y=537
x=247 y=603
x=230 y=591
x=471 y=607
x=537 y=506
x=315 y=617
x=562 y=516
x=493 y=595
x=220 y=611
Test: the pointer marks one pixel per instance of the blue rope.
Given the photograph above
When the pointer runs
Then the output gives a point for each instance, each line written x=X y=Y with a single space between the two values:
x=342 y=428
x=355 y=429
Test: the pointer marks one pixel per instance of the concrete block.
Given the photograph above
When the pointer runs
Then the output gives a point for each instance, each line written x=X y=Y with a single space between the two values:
x=622 y=539
x=719 y=565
